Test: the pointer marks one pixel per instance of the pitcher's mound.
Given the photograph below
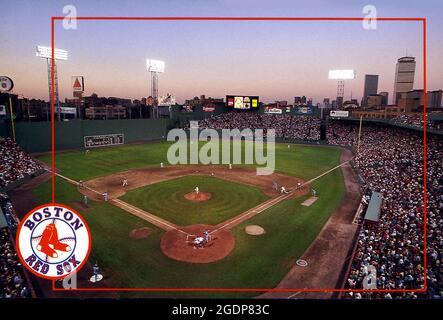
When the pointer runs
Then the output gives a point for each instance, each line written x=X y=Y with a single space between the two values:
x=180 y=244
x=254 y=230
x=201 y=196
x=140 y=233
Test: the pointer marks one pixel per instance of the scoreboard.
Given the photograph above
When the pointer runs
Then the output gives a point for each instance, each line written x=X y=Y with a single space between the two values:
x=104 y=140
x=242 y=102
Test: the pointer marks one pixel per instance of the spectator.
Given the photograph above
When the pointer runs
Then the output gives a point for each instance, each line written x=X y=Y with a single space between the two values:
x=391 y=162
x=286 y=126
x=15 y=164
x=12 y=283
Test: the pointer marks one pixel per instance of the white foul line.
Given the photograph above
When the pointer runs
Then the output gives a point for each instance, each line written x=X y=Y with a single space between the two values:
x=122 y=203
x=274 y=201
x=150 y=217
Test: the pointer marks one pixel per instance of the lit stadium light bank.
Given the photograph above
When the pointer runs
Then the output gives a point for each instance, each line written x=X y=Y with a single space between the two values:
x=46 y=52
x=155 y=65
x=341 y=74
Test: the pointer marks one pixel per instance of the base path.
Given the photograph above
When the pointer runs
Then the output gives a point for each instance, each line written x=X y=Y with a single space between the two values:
x=157 y=221
x=330 y=251
x=146 y=176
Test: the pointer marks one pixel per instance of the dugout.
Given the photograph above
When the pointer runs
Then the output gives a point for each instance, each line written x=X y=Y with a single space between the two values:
x=373 y=211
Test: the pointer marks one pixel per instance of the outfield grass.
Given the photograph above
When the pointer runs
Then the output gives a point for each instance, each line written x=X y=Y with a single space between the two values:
x=256 y=262
x=302 y=161
x=228 y=200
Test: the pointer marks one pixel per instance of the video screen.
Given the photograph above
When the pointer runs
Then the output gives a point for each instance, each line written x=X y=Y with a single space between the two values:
x=242 y=102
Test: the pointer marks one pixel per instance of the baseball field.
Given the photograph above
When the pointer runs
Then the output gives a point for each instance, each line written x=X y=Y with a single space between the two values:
x=134 y=232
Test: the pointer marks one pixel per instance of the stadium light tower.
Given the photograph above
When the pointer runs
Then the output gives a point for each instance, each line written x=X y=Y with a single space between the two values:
x=155 y=67
x=46 y=53
x=341 y=76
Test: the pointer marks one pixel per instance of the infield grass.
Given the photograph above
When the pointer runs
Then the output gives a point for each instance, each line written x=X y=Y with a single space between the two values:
x=166 y=200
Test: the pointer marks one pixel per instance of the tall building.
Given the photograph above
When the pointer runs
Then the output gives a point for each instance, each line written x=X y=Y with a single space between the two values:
x=411 y=100
x=326 y=103
x=384 y=98
x=404 y=76
x=433 y=98
x=374 y=101
x=371 y=87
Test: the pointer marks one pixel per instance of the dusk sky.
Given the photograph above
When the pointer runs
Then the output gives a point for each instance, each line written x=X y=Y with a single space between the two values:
x=275 y=60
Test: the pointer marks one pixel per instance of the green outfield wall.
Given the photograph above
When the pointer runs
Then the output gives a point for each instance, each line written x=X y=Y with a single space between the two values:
x=36 y=136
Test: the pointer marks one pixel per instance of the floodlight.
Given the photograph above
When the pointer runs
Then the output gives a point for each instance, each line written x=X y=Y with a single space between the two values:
x=155 y=65
x=46 y=52
x=341 y=74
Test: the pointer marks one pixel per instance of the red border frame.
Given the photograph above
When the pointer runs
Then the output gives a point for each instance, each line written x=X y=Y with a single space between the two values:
x=17 y=243
x=423 y=20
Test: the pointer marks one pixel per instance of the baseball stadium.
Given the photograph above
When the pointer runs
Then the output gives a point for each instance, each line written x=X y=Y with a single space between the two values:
x=273 y=200
x=146 y=227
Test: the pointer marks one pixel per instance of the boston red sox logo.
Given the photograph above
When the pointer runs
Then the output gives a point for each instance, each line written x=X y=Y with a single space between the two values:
x=53 y=241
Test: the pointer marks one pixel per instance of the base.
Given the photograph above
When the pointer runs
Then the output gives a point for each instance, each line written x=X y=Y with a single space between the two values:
x=97 y=278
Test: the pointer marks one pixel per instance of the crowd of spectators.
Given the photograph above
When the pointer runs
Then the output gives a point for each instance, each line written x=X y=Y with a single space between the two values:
x=390 y=160
x=286 y=126
x=15 y=164
x=415 y=120
x=8 y=212
x=13 y=281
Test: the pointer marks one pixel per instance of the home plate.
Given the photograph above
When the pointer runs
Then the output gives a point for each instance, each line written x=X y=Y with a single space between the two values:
x=308 y=202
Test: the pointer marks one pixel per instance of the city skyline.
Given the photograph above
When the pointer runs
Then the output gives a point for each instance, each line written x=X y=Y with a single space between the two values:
x=216 y=58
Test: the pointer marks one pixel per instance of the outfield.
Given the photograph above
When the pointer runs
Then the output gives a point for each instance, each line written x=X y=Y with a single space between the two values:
x=255 y=262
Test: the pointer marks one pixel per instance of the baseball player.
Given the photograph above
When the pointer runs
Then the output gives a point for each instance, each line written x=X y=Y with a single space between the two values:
x=206 y=233
x=197 y=190
x=125 y=182
x=95 y=270
x=283 y=190
x=105 y=196
x=80 y=184
x=198 y=242
x=275 y=185
x=85 y=199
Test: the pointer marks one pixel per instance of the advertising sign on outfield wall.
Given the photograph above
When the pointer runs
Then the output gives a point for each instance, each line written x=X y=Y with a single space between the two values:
x=68 y=110
x=304 y=110
x=273 y=110
x=209 y=108
x=339 y=113
x=104 y=140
